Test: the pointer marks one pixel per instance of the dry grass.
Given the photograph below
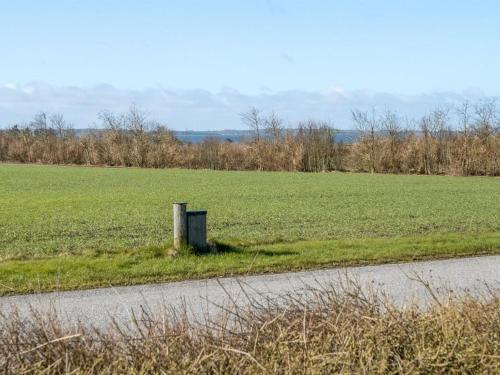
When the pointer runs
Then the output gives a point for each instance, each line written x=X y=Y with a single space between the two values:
x=319 y=331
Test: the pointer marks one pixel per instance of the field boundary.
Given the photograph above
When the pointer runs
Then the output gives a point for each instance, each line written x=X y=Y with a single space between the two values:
x=153 y=265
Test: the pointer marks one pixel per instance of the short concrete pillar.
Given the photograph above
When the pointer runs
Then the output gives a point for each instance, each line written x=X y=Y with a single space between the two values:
x=190 y=227
x=197 y=230
x=180 y=225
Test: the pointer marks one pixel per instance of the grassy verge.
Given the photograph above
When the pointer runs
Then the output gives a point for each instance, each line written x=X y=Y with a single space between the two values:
x=151 y=264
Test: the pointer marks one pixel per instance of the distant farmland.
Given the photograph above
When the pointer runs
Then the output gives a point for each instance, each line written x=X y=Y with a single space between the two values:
x=49 y=211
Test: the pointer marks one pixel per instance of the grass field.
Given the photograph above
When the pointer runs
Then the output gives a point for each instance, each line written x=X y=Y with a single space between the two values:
x=73 y=227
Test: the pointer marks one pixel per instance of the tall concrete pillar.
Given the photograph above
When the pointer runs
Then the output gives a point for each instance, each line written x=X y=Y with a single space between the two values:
x=180 y=225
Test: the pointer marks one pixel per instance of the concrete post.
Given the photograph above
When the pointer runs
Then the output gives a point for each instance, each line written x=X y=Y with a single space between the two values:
x=180 y=225
x=197 y=230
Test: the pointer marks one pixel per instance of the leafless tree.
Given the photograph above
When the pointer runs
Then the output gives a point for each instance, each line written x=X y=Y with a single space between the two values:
x=136 y=121
x=60 y=125
x=318 y=146
x=440 y=131
x=253 y=119
x=111 y=121
x=138 y=124
x=274 y=126
x=464 y=114
x=369 y=126
x=434 y=129
x=486 y=118
x=40 y=124
x=425 y=128
x=390 y=123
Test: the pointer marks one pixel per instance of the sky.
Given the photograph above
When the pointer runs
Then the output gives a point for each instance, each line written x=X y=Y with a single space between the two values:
x=199 y=64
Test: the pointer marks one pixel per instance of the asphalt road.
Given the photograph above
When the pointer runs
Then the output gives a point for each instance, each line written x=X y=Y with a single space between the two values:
x=201 y=297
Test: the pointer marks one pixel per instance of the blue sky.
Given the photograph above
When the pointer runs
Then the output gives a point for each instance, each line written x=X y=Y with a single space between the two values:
x=197 y=64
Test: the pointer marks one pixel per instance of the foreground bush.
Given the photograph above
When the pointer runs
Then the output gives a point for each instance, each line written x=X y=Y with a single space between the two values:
x=316 y=332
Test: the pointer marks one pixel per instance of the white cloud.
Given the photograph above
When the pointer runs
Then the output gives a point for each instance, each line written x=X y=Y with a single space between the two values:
x=204 y=110
x=11 y=86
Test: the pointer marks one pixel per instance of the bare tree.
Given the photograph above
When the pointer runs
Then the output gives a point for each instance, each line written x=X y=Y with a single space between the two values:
x=442 y=134
x=463 y=112
x=390 y=123
x=40 y=124
x=60 y=125
x=368 y=126
x=274 y=126
x=253 y=119
x=425 y=128
x=111 y=121
x=486 y=118
x=115 y=139
x=137 y=123
x=317 y=140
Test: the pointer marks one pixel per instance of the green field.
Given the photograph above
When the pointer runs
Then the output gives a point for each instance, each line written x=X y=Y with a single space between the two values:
x=74 y=227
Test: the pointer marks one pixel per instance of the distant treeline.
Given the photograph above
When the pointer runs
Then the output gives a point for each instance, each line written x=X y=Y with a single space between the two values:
x=459 y=141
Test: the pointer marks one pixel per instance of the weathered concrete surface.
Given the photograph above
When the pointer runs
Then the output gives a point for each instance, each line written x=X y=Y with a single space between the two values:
x=200 y=296
x=180 y=224
x=197 y=229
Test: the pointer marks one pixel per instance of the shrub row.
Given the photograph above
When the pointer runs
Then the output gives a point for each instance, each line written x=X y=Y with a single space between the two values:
x=386 y=143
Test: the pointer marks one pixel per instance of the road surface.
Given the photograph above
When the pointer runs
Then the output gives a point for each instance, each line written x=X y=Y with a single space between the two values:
x=98 y=306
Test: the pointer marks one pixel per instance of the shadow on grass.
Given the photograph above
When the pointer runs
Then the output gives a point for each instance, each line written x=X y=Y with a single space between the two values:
x=217 y=247
x=270 y=253
x=214 y=248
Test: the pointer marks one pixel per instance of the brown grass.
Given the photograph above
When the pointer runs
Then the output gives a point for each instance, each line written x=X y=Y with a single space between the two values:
x=318 y=332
